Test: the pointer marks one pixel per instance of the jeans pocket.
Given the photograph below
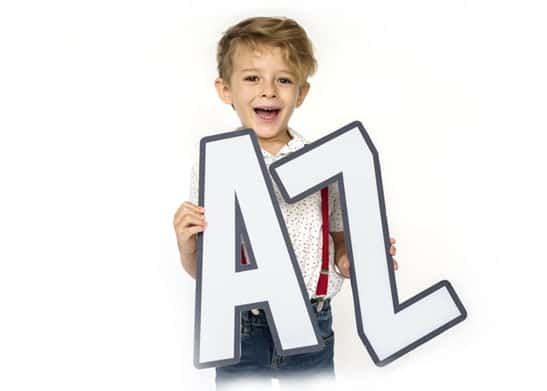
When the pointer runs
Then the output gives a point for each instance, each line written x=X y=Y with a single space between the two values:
x=324 y=320
x=325 y=313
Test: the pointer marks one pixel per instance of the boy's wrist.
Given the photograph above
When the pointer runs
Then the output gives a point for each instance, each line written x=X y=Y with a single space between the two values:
x=188 y=261
x=339 y=254
x=188 y=254
x=188 y=247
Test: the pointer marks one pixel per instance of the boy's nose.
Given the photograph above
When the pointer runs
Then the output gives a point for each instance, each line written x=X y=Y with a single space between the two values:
x=268 y=90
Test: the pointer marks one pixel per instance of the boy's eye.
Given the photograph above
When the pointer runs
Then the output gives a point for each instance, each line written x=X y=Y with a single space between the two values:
x=284 y=80
x=251 y=78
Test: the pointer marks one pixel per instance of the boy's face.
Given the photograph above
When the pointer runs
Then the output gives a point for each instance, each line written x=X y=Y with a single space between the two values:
x=263 y=90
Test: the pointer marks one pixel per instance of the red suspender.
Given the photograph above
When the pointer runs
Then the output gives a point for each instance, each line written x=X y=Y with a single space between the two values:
x=324 y=275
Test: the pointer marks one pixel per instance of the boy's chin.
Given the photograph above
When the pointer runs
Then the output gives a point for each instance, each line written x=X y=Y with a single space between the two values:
x=266 y=132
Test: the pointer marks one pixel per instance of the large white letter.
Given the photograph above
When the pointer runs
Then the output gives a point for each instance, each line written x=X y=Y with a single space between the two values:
x=238 y=197
x=388 y=328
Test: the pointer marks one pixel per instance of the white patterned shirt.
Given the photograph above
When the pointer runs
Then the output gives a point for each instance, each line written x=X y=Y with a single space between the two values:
x=303 y=220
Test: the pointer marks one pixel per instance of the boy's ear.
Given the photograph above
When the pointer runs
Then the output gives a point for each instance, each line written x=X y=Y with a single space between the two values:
x=223 y=90
x=302 y=93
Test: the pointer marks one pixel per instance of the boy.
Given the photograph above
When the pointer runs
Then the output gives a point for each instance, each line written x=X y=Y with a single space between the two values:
x=263 y=66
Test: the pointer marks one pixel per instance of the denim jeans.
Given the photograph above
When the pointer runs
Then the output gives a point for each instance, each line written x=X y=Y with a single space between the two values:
x=259 y=362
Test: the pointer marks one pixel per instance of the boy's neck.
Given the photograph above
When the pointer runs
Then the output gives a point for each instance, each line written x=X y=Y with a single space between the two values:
x=273 y=145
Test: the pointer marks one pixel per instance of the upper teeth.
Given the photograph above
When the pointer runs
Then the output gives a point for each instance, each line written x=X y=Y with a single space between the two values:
x=266 y=108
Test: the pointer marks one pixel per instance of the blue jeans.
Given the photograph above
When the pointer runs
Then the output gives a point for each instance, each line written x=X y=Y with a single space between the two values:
x=259 y=362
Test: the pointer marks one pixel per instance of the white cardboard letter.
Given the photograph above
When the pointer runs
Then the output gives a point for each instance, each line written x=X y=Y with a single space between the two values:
x=388 y=328
x=237 y=194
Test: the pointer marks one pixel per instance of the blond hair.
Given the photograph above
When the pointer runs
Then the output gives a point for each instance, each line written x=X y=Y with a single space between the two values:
x=279 y=32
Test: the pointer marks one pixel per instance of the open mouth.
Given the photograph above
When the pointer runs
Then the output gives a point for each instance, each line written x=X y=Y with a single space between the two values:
x=267 y=113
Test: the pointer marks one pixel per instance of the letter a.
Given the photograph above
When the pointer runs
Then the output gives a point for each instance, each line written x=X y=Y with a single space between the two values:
x=237 y=194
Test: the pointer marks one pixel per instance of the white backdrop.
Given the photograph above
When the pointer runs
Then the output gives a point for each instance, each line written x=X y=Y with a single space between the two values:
x=102 y=105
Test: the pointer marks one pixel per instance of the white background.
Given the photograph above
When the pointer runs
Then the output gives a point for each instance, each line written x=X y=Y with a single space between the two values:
x=102 y=105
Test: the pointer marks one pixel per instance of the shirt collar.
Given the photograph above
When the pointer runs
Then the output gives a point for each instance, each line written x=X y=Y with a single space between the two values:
x=294 y=144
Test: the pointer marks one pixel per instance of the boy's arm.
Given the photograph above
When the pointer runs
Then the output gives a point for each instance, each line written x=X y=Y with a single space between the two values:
x=340 y=257
x=187 y=242
x=189 y=220
x=336 y=228
x=188 y=260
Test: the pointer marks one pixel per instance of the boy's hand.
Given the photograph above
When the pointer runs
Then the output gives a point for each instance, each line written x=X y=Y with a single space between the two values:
x=188 y=221
x=342 y=263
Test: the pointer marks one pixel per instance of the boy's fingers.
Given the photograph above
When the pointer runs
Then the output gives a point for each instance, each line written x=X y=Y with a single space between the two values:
x=195 y=229
x=190 y=221
x=391 y=240
x=187 y=216
x=185 y=220
x=187 y=212
x=188 y=207
x=392 y=250
x=344 y=268
x=188 y=204
x=187 y=232
x=342 y=265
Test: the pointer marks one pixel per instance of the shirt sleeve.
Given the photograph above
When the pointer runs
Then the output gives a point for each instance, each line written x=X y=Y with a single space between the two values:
x=335 y=211
x=194 y=183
